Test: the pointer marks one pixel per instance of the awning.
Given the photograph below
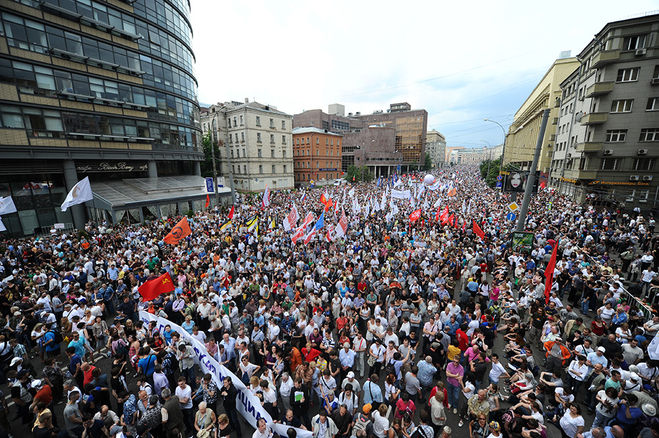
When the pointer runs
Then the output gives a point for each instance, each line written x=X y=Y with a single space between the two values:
x=140 y=192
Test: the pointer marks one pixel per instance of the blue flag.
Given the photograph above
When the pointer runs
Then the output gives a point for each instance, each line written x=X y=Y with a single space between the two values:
x=321 y=221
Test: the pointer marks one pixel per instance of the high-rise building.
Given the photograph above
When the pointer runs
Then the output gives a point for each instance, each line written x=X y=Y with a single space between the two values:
x=436 y=147
x=607 y=134
x=523 y=132
x=410 y=129
x=103 y=89
x=255 y=143
x=316 y=155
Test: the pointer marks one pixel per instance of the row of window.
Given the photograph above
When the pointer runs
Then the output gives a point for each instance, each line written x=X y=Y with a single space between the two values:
x=328 y=141
x=302 y=153
x=236 y=169
x=162 y=13
x=639 y=164
x=257 y=122
x=308 y=164
x=154 y=40
x=626 y=105
x=259 y=153
x=233 y=138
x=30 y=35
x=620 y=135
x=55 y=124
x=630 y=74
x=316 y=175
x=44 y=81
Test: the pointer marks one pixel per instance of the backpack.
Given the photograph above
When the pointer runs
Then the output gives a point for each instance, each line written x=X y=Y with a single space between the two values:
x=390 y=369
x=58 y=338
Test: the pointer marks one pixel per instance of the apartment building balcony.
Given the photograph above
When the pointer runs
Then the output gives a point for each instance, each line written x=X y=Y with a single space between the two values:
x=599 y=89
x=594 y=118
x=605 y=57
x=589 y=146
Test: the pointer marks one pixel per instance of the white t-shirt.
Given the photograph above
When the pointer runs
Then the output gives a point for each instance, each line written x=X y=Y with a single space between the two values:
x=183 y=393
x=496 y=371
x=603 y=409
x=380 y=425
x=570 y=424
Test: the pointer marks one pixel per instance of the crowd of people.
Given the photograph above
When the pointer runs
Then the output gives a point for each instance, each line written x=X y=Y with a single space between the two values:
x=398 y=328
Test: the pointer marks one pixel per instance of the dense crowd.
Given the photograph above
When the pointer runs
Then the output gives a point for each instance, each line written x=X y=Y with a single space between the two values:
x=395 y=329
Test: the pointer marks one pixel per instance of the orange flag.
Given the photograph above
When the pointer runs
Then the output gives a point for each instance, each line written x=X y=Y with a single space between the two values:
x=153 y=288
x=179 y=231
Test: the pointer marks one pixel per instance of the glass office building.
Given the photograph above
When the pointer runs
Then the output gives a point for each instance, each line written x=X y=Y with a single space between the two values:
x=98 y=88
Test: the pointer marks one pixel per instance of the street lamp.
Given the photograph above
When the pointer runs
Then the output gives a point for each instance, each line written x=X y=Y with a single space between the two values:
x=503 y=149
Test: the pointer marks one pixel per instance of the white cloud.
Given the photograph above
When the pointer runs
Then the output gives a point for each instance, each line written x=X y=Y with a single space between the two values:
x=455 y=59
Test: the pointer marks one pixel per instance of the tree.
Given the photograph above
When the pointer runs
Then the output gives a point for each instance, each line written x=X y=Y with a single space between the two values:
x=358 y=174
x=427 y=164
x=490 y=170
x=207 y=164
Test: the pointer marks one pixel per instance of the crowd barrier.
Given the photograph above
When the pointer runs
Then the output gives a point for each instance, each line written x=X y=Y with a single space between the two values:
x=248 y=405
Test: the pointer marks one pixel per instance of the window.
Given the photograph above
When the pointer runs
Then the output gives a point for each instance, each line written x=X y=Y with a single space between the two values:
x=285 y=168
x=633 y=42
x=307 y=140
x=283 y=124
x=272 y=138
x=655 y=75
x=628 y=74
x=260 y=168
x=609 y=163
x=653 y=104
x=241 y=120
x=649 y=134
x=274 y=170
x=283 y=139
x=644 y=164
x=616 y=135
x=244 y=166
x=259 y=153
x=317 y=140
x=272 y=123
x=242 y=137
x=272 y=153
x=234 y=122
x=258 y=121
x=258 y=137
x=622 y=106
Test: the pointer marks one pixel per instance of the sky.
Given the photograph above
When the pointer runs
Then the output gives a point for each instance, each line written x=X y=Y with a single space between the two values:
x=462 y=61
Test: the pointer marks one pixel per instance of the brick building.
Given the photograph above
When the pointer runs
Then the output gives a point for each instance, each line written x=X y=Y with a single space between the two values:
x=316 y=154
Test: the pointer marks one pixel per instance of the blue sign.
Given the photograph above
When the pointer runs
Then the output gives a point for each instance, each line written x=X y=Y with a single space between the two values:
x=498 y=184
x=499 y=177
x=209 y=185
x=511 y=216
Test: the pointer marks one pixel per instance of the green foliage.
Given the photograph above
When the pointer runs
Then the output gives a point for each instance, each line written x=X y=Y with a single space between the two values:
x=360 y=174
x=490 y=170
x=207 y=164
x=427 y=164
x=190 y=213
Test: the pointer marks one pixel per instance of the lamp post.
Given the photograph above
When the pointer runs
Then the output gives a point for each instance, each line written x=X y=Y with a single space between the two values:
x=503 y=149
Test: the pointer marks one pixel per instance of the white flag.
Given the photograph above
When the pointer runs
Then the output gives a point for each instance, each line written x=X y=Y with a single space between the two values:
x=341 y=227
x=81 y=192
x=2 y=226
x=438 y=202
x=7 y=205
x=351 y=193
x=401 y=194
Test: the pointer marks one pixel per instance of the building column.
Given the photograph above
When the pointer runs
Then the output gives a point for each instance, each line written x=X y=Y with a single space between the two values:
x=152 y=169
x=197 y=168
x=71 y=179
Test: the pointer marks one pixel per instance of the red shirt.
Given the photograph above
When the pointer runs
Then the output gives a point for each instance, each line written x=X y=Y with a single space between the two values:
x=311 y=354
x=44 y=395
x=434 y=391
x=463 y=340
x=88 y=376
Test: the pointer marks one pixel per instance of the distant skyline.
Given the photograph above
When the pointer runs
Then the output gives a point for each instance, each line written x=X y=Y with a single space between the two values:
x=461 y=62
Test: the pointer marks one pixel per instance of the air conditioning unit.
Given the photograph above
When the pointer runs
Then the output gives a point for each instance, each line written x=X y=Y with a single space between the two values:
x=634 y=178
x=640 y=52
x=642 y=152
x=647 y=178
x=608 y=152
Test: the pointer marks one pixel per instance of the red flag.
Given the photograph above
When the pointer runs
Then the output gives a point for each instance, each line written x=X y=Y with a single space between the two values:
x=437 y=214
x=153 y=288
x=416 y=214
x=231 y=212
x=208 y=200
x=478 y=231
x=179 y=231
x=464 y=226
x=444 y=216
x=549 y=273
x=451 y=218
x=455 y=223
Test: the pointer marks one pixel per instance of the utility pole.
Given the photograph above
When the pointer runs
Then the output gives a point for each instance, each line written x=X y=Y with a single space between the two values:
x=530 y=181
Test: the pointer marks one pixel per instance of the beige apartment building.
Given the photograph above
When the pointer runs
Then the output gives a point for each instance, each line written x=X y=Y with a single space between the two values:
x=523 y=133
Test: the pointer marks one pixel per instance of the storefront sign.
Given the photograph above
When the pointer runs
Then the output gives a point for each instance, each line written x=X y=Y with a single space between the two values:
x=618 y=183
x=108 y=166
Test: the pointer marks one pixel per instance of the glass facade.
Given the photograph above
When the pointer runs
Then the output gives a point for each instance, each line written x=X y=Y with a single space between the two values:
x=81 y=78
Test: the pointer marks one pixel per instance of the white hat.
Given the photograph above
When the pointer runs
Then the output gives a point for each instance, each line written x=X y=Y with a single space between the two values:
x=649 y=410
x=351 y=375
x=15 y=360
x=602 y=349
